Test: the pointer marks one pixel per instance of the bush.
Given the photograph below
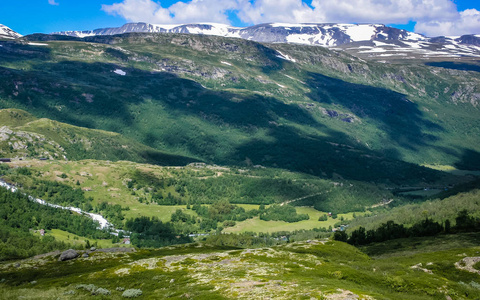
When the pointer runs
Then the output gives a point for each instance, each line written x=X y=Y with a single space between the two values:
x=102 y=291
x=88 y=287
x=132 y=293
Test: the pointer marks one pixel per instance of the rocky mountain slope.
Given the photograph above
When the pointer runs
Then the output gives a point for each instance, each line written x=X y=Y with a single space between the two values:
x=8 y=33
x=233 y=101
x=366 y=40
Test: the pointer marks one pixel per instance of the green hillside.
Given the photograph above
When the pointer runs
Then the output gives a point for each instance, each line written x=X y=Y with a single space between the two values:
x=24 y=136
x=313 y=270
x=237 y=102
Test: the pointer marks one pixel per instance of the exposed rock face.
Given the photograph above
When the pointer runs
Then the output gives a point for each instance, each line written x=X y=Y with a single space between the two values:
x=68 y=255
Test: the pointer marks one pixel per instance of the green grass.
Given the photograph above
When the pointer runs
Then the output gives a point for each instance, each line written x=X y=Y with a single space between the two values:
x=174 y=113
x=257 y=225
x=292 y=271
x=412 y=246
x=163 y=212
x=76 y=240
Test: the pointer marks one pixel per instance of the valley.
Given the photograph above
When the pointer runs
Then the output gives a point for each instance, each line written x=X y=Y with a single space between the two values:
x=240 y=168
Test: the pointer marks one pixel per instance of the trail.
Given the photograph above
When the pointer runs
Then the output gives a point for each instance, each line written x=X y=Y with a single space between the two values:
x=301 y=198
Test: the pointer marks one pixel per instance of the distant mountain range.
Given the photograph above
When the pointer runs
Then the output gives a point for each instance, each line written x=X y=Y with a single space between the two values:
x=311 y=34
x=375 y=41
x=326 y=34
x=364 y=40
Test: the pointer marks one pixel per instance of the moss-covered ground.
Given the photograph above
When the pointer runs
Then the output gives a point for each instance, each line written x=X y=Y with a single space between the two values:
x=313 y=270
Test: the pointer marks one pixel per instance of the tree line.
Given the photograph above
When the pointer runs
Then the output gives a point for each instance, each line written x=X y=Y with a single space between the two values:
x=390 y=230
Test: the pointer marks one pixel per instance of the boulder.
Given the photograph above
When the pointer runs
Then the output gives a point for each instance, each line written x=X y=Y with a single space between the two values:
x=85 y=255
x=93 y=249
x=68 y=255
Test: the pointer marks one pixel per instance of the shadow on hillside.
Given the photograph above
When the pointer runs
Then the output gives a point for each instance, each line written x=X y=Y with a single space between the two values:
x=392 y=112
x=456 y=65
x=11 y=51
x=470 y=160
x=223 y=127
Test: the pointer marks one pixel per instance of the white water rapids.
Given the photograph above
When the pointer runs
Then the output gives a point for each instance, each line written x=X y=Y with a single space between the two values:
x=104 y=224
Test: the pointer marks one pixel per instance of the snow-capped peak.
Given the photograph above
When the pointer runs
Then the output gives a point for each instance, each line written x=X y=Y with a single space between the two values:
x=8 y=33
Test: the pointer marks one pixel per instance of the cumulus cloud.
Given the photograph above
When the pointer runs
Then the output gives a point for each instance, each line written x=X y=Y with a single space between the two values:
x=466 y=22
x=52 y=2
x=432 y=16
x=180 y=12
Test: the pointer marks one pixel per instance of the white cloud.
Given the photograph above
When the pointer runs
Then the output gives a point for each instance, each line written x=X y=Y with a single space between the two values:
x=432 y=16
x=180 y=12
x=286 y=11
x=52 y=2
x=466 y=22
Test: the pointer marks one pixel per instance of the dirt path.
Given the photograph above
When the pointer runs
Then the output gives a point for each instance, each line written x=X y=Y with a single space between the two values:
x=301 y=198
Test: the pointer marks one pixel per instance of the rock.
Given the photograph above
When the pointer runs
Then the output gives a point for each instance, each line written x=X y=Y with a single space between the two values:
x=68 y=255
x=93 y=249
x=85 y=255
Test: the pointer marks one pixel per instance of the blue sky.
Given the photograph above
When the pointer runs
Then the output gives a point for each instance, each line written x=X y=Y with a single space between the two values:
x=432 y=17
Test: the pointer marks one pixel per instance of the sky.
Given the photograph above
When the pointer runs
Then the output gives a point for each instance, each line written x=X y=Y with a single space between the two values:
x=429 y=17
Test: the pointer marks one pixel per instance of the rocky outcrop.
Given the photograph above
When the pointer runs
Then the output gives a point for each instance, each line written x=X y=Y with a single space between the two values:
x=68 y=255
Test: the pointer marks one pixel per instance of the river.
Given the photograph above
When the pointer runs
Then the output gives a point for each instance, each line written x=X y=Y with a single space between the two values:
x=103 y=223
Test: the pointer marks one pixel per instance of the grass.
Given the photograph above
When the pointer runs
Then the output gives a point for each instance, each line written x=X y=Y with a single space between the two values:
x=294 y=271
x=76 y=240
x=172 y=111
x=257 y=225
x=413 y=246
x=107 y=181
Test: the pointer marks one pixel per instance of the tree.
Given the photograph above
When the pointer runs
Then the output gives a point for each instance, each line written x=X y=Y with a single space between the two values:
x=464 y=221
x=447 y=226
x=340 y=236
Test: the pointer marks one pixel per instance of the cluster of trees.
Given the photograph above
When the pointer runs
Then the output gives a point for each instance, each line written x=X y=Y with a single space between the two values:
x=58 y=193
x=62 y=194
x=285 y=213
x=112 y=212
x=18 y=215
x=153 y=233
x=391 y=230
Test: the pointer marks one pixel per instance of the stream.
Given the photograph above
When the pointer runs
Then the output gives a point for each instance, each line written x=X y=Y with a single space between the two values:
x=104 y=224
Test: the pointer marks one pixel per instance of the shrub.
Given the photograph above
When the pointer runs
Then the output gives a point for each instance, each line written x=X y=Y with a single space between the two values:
x=88 y=287
x=102 y=291
x=132 y=293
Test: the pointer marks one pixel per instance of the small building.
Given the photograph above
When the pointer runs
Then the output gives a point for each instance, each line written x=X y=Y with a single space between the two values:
x=126 y=241
x=42 y=232
x=329 y=214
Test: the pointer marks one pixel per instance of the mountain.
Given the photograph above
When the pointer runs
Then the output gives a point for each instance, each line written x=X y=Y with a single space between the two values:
x=24 y=136
x=8 y=33
x=365 y=40
x=231 y=101
x=310 y=34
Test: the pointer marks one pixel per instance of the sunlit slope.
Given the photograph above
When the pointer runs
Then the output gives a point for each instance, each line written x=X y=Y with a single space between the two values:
x=231 y=101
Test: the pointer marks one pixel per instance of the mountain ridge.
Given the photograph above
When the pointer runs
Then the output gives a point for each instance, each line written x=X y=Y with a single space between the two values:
x=6 y=32
x=330 y=35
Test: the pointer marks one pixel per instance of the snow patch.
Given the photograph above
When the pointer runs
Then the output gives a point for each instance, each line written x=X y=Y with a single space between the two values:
x=120 y=72
x=37 y=44
x=226 y=63
x=363 y=32
x=285 y=57
x=381 y=44
x=374 y=50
